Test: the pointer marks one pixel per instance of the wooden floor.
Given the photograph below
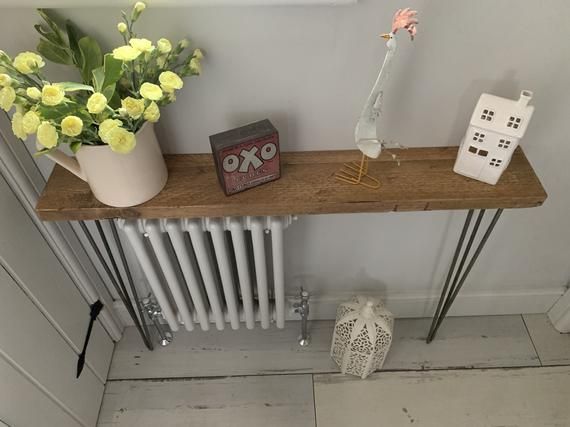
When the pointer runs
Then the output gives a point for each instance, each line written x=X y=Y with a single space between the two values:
x=480 y=371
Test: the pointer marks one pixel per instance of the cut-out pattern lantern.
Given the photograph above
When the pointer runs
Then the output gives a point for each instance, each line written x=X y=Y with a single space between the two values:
x=362 y=336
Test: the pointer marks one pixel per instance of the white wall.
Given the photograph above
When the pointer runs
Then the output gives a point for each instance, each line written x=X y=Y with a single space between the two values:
x=309 y=69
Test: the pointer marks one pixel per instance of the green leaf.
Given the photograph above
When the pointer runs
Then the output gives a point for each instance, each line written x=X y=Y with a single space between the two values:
x=49 y=36
x=98 y=78
x=73 y=35
x=54 y=53
x=113 y=70
x=73 y=86
x=115 y=101
x=109 y=91
x=91 y=57
x=58 y=34
x=43 y=151
x=58 y=112
x=75 y=146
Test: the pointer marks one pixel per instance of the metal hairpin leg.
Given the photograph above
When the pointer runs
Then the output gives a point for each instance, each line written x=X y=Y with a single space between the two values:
x=117 y=281
x=449 y=293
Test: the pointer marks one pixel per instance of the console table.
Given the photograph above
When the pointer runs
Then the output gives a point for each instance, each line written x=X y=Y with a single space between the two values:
x=422 y=181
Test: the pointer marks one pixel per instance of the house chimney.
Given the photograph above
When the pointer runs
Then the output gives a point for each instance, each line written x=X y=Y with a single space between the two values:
x=526 y=96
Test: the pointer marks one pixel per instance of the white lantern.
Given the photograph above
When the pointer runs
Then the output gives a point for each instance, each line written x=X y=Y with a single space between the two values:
x=362 y=336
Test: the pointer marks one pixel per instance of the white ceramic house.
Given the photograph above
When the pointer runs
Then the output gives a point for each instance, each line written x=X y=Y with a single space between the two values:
x=495 y=129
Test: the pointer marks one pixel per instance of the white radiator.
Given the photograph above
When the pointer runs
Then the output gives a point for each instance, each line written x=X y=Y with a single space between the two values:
x=232 y=273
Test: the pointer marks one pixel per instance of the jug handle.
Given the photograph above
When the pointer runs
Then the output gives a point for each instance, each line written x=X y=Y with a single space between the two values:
x=68 y=162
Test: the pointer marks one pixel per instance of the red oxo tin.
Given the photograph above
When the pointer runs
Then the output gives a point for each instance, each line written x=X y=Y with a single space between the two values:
x=246 y=156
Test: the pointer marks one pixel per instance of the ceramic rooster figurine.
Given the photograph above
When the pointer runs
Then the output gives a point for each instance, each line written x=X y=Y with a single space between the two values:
x=365 y=134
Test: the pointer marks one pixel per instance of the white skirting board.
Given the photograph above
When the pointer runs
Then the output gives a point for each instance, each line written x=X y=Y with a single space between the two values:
x=559 y=314
x=413 y=305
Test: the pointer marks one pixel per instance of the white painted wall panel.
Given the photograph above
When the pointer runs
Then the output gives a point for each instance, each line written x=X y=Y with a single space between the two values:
x=29 y=342
x=26 y=255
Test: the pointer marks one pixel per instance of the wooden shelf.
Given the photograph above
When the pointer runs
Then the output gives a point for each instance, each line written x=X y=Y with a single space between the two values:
x=424 y=181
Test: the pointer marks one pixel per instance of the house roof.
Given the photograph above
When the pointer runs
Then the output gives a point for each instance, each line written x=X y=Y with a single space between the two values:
x=506 y=116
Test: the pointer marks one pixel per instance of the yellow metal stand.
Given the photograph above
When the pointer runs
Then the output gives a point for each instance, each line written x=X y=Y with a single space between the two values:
x=356 y=173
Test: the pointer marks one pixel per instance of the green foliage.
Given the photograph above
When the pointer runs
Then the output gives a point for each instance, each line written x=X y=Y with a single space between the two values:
x=58 y=112
x=106 y=77
x=91 y=57
x=54 y=53
x=73 y=36
x=75 y=146
x=73 y=86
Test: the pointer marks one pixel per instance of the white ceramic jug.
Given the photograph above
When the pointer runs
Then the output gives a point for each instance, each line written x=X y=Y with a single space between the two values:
x=120 y=180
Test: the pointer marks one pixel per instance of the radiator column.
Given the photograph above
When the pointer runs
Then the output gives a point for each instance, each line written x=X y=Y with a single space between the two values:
x=137 y=243
x=258 y=242
x=278 y=270
x=176 y=235
x=156 y=238
x=222 y=256
x=201 y=251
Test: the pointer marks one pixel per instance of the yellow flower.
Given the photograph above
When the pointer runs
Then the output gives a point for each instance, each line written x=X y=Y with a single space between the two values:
x=164 y=46
x=151 y=91
x=183 y=44
x=134 y=107
x=122 y=27
x=170 y=81
x=52 y=95
x=31 y=121
x=106 y=126
x=47 y=135
x=71 y=126
x=28 y=62
x=195 y=67
x=126 y=53
x=5 y=80
x=198 y=54
x=152 y=113
x=96 y=103
x=7 y=98
x=34 y=93
x=18 y=126
x=140 y=6
x=142 y=45
x=121 y=140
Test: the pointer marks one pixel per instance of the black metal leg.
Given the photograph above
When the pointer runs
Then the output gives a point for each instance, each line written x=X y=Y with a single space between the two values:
x=449 y=293
x=117 y=282
x=134 y=292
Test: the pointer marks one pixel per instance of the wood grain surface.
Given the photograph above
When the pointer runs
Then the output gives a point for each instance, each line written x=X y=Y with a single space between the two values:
x=424 y=180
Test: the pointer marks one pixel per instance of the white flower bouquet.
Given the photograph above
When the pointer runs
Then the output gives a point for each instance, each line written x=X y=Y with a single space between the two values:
x=119 y=92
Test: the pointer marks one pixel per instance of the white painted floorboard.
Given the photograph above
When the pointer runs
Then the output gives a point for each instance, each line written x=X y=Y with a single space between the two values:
x=484 y=341
x=264 y=401
x=529 y=397
x=462 y=342
x=553 y=347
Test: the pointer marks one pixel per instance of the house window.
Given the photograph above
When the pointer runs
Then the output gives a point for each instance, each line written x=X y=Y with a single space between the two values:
x=478 y=136
x=487 y=115
x=514 y=122
x=504 y=143
x=474 y=150
x=496 y=162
